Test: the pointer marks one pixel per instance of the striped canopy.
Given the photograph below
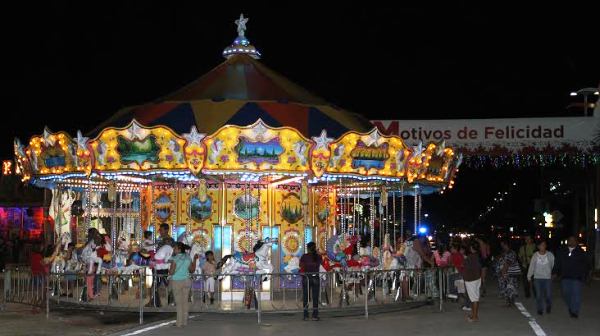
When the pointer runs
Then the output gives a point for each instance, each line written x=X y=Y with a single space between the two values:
x=238 y=92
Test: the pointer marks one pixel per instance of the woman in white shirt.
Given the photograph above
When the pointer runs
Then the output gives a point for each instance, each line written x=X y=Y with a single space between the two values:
x=540 y=271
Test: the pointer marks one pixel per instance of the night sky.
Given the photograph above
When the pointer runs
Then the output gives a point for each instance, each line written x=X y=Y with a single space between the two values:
x=71 y=65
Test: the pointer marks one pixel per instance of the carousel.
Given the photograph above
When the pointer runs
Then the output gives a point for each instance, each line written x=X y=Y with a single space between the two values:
x=238 y=158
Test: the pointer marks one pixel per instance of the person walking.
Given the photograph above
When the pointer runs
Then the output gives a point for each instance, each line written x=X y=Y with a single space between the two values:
x=525 y=254
x=540 y=273
x=484 y=251
x=457 y=260
x=508 y=271
x=572 y=266
x=309 y=267
x=181 y=266
x=472 y=277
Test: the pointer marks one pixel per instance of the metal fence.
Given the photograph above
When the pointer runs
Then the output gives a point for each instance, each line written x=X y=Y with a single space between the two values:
x=144 y=291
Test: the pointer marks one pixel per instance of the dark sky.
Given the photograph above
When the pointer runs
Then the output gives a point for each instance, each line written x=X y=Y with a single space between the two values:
x=70 y=65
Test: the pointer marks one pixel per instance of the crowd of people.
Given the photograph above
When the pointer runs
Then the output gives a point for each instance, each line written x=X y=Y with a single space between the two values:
x=533 y=266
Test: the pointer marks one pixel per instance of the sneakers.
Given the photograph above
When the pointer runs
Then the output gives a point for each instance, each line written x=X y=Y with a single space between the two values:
x=548 y=310
x=540 y=312
x=316 y=318
x=465 y=308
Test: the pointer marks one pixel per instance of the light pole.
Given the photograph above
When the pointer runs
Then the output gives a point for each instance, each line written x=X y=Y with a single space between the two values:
x=586 y=92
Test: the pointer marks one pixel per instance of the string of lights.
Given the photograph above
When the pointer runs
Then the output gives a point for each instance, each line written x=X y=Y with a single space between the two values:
x=499 y=198
x=532 y=160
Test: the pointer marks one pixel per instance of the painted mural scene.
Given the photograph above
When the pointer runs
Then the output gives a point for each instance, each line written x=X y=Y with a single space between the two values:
x=243 y=197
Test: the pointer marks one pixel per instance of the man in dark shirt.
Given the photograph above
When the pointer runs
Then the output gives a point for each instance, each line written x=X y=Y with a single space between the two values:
x=572 y=266
x=309 y=267
x=472 y=277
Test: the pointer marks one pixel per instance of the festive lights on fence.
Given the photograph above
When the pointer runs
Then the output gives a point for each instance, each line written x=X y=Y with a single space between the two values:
x=577 y=159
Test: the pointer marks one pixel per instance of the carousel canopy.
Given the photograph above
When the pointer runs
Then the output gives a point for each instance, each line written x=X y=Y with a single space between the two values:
x=240 y=91
x=240 y=122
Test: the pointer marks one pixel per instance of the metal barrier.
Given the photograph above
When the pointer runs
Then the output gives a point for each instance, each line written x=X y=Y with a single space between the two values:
x=145 y=291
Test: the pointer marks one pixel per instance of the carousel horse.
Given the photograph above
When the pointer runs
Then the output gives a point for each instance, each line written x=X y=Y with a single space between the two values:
x=59 y=261
x=256 y=262
x=92 y=255
x=188 y=238
x=89 y=257
x=340 y=260
x=122 y=250
x=339 y=251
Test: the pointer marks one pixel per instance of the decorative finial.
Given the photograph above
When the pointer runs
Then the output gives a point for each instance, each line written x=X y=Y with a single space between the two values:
x=241 y=45
x=241 y=25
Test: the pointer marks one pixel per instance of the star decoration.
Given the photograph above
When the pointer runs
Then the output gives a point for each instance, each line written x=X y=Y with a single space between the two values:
x=373 y=137
x=418 y=149
x=259 y=129
x=322 y=141
x=19 y=149
x=441 y=147
x=81 y=141
x=194 y=137
x=241 y=25
x=135 y=131
x=48 y=138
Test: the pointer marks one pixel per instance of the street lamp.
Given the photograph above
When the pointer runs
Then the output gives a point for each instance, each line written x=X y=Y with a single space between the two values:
x=585 y=93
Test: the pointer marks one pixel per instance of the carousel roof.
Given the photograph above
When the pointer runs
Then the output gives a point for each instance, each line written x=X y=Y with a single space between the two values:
x=240 y=122
x=240 y=91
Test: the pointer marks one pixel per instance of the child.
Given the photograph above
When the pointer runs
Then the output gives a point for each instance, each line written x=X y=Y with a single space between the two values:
x=209 y=269
x=72 y=268
x=147 y=245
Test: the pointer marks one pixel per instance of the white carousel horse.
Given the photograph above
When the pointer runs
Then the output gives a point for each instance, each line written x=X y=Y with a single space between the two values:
x=196 y=249
x=90 y=258
x=122 y=250
x=257 y=262
x=59 y=262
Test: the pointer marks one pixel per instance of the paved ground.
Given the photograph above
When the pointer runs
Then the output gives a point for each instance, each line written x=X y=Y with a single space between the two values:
x=22 y=320
x=496 y=319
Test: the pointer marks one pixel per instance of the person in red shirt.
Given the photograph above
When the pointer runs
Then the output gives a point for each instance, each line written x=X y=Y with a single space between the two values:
x=456 y=258
x=35 y=261
x=309 y=267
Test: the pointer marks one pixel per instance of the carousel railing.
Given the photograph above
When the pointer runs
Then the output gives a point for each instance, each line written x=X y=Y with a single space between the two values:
x=355 y=292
